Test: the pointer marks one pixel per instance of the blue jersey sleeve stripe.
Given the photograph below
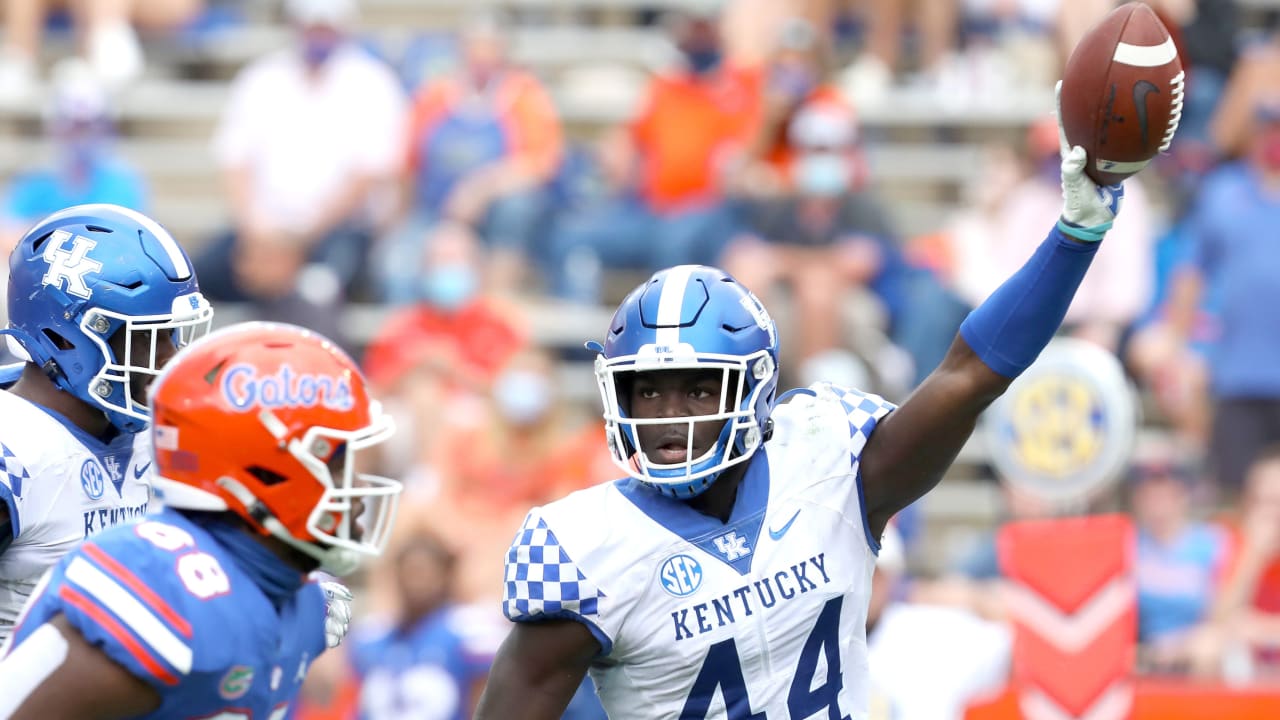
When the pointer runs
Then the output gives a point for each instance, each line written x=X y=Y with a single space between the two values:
x=118 y=572
x=872 y=541
x=131 y=612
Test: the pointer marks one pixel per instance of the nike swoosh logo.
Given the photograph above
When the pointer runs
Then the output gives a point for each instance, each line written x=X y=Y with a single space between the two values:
x=1141 y=90
x=140 y=470
x=777 y=534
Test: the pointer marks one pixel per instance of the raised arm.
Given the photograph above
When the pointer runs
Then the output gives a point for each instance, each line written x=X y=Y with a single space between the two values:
x=538 y=669
x=909 y=450
x=55 y=658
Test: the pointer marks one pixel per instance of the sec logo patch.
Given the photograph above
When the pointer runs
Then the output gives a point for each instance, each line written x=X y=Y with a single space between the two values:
x=681 y=575
x=92 y=479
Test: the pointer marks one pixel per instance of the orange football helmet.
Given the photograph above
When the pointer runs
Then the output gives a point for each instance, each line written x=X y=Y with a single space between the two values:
x=266 y=420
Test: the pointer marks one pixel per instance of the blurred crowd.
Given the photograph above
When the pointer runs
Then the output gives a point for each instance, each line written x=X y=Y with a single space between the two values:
x=436 y=178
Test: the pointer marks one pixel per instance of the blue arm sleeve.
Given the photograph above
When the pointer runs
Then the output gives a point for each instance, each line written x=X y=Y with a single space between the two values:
x=1010 y=328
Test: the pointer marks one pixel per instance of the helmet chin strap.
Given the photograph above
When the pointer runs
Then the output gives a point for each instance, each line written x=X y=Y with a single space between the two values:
x=335 y=560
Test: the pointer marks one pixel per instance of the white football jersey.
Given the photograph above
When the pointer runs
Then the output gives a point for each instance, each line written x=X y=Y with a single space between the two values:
x=61 y=486
x=761 y=617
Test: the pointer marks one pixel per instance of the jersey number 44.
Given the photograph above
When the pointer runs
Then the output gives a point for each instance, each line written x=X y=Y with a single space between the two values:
x=722 y=670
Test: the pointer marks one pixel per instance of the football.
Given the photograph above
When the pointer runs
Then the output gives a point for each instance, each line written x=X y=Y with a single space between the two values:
x=1122 y=93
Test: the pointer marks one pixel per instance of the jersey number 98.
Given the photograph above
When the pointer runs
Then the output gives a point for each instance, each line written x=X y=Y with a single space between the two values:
x=200 y=572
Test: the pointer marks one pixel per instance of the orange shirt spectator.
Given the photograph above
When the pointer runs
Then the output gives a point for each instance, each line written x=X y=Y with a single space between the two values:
x=688 y=128
x=479 y=335
x=495 y=469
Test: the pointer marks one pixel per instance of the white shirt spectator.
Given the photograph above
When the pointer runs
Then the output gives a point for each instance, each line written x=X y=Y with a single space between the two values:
x=304 y=137
x=930 y=662
x=989 y=248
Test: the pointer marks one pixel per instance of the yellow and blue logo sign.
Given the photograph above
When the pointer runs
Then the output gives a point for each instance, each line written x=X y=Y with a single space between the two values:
x=1066 y=427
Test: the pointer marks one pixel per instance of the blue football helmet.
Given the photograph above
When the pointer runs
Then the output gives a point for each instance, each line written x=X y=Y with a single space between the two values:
x=87 y=272
x=690 y=317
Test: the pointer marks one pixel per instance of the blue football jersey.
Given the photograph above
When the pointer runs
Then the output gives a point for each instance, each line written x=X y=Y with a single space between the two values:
x=169 y=603
x=428 y=671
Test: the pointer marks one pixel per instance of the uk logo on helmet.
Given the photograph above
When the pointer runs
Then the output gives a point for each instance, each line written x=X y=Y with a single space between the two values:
x=246 y=390
x=69 y=265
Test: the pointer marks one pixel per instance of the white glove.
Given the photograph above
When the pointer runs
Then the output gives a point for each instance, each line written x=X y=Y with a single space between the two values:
x=1087 y=209
x=337 y=611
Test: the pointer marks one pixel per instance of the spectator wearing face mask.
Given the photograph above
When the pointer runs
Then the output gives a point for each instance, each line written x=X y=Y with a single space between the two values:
x=529 y=448
x=308 y=134
x=483 y=142
x=453 y=324
x=684 y=145
x=826 y=236
x=1231 y=230
x=84 y=167
x=796 y=77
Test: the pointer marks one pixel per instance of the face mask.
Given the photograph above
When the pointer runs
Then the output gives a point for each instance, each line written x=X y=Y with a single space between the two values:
x=702 y=60
x=449 y=287
x=792 y=81
x=82 y=152
x=822 y=174
x=317 y=49
x=522 y=396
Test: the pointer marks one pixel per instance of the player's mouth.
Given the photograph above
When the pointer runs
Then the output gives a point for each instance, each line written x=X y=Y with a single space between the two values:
x=671 y=450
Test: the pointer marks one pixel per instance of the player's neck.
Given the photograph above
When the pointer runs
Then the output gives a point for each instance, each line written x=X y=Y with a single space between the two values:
x=718 y=499
x=288 y=555
x=35 y=387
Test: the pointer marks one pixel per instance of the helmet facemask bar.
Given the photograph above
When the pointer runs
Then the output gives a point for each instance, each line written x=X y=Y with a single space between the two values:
x=332 y=524
x=738 y=398
x=111 y=387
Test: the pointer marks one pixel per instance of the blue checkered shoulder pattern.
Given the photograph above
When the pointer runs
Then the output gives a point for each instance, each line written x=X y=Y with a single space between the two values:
x=542 y=581
x=13 y=475
x=863 y=410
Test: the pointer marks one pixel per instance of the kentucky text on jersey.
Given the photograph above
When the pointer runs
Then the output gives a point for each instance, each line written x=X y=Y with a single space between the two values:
x=697 y=619
x=61 y=486
x=246 y=390
x=95 y=521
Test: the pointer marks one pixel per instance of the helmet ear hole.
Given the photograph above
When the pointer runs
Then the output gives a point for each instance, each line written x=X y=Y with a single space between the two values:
x=265 y=476
x=58 y=341
x=41 y=241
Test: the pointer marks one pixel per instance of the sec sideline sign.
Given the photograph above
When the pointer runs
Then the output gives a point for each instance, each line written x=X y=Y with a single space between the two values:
x=1065 y=428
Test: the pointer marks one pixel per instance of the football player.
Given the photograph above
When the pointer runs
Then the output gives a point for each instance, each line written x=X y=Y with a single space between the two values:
x=204 y=609
x=728 y=576
x=432 y=661
x=100 y=297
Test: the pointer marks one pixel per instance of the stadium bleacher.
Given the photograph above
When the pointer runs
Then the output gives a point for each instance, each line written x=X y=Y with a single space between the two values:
x=920 y=153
